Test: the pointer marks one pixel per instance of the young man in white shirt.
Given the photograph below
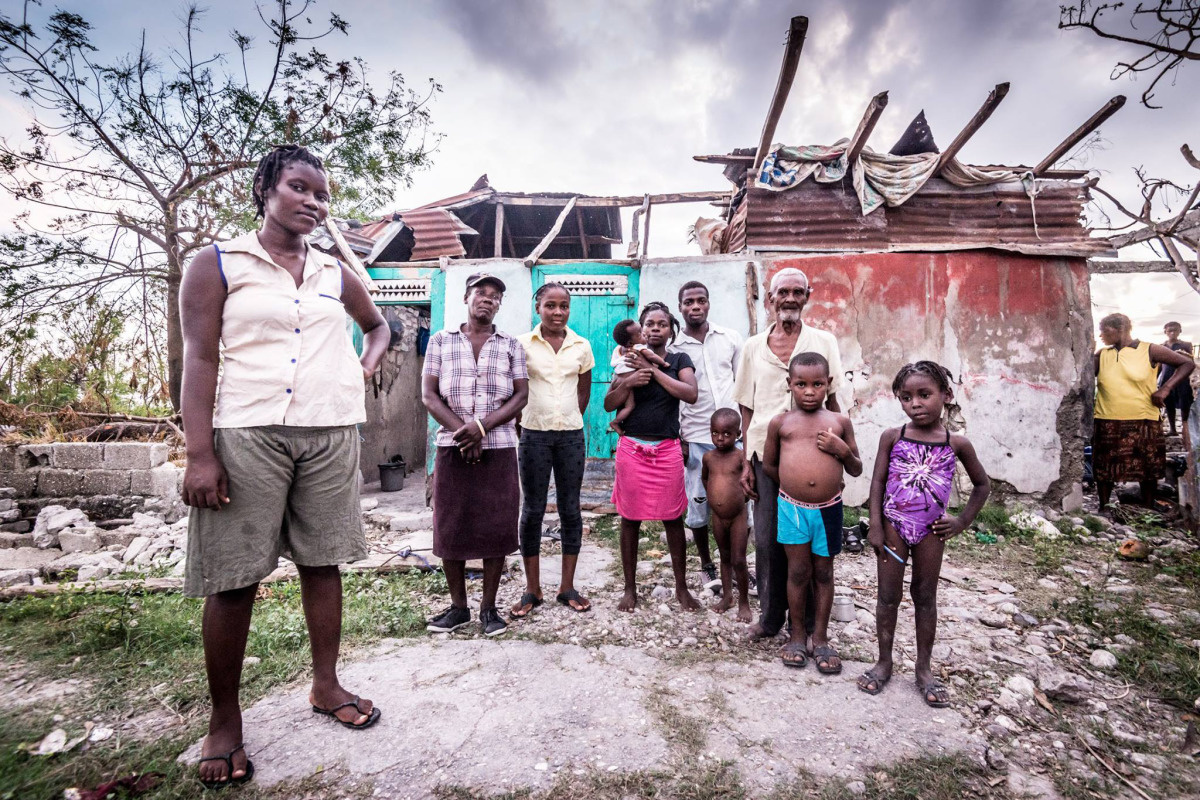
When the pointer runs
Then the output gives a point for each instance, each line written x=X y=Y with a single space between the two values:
x=714 y=351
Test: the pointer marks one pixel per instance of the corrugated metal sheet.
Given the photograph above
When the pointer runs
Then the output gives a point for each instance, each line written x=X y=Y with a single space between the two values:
x=827 y=217
x=437 y=233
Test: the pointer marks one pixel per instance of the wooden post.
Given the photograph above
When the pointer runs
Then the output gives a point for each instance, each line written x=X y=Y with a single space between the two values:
x=787 y=73
x=994 y=98
x=752 y=296
x=532 y=258
x=865 y=126
x=356 y=266
x=632 y=251
x=646 y=229
x=1077 y=136
x=498 y=246
x=582 y=236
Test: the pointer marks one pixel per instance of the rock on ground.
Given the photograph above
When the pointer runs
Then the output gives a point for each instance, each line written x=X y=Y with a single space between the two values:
x=486 y=714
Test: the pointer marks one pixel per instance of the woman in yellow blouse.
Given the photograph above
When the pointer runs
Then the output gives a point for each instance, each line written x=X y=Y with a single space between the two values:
x=1127 y=443
x=560 y=365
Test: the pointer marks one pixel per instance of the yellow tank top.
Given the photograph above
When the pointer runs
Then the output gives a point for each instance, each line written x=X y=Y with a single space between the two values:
x=1125 y=382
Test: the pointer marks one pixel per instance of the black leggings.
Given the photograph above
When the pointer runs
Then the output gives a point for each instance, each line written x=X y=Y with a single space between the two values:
x=541 y=452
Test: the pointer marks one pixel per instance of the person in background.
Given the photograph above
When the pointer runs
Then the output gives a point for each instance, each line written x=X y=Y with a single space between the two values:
x=560 y=363
x=1181 y=396
x=714 y=352
x=761 y=392
x=1127 y=439
x=272 y=457
x=475 y=384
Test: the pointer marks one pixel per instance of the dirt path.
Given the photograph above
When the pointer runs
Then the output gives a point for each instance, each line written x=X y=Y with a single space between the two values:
x=511 y=714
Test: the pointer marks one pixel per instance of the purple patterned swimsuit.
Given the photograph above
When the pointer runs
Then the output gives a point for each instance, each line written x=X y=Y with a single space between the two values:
x=920 y=476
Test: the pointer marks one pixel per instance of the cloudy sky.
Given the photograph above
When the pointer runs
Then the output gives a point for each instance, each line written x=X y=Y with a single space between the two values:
x=615 y=96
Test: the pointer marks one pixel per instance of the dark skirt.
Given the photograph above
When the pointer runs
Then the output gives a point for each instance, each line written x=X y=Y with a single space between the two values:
x=476 y=507
x=1128 y=450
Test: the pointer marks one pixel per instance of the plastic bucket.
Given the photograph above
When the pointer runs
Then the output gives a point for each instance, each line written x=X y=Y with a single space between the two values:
x=391 y=477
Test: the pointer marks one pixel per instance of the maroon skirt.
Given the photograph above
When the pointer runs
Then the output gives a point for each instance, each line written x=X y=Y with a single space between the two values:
x=1128 y=450
x=476 y=507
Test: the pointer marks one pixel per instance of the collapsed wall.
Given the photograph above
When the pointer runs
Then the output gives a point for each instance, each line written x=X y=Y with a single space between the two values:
x=110 y=480
x=1016 y=332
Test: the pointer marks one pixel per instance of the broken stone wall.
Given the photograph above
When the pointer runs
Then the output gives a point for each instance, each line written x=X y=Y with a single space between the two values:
x=1016 y=332
x=395 y=415
x=110 y=480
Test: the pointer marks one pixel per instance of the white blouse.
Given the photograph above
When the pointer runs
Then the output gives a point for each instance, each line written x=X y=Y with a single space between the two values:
x=287 y=354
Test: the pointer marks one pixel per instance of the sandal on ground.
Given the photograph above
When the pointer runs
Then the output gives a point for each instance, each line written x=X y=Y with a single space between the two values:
x=332 y=712
x=228 y=759
x=868 y=678
x=793 y=655
x=852 y=540
x=826 y=655
x=572 y=596
x=935 y=694
x=528 y=599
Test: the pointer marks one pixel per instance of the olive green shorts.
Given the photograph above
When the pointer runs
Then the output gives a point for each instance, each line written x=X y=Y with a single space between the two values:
x=292 y=492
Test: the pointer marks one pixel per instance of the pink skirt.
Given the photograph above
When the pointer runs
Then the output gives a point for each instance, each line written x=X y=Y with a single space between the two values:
x=649 y=480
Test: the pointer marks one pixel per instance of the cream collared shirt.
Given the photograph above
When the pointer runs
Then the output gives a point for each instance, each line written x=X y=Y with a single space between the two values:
x=762 y=379
x=716 y=361
x=554 y=380
x=287 y=355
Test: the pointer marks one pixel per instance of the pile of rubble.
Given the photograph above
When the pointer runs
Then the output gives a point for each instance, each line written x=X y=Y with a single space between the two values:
x=65 y=545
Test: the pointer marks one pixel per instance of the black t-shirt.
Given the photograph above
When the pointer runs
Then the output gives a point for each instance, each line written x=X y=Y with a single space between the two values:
x=655 y=412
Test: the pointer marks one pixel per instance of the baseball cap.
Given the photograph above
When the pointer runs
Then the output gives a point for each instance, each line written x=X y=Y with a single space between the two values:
x=485 y=277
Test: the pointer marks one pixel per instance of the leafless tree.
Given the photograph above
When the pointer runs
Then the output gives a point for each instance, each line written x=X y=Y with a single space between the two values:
x=1172 y=225
x=1167 y=33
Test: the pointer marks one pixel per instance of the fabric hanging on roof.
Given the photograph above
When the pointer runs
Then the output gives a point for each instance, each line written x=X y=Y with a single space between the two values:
x=879 y=178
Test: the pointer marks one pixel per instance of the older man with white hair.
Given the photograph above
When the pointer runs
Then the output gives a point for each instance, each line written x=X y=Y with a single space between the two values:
x=761 y=392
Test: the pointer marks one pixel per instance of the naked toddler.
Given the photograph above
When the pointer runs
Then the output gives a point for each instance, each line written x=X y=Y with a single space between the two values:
x=721 y=472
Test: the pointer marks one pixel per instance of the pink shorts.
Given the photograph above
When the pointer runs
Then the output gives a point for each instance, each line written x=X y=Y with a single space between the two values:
x=649 y=480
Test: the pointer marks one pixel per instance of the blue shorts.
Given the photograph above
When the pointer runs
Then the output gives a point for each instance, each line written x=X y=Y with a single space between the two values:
x=818 y=524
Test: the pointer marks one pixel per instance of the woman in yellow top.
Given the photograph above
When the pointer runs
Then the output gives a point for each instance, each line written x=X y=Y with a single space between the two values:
x=1128 y=444
x=560 y=365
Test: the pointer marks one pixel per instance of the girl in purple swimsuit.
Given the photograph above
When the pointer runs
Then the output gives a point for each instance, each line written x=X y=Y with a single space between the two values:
x=910 y=490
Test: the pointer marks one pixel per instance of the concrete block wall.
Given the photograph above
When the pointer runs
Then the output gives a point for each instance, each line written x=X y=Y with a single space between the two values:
x=108 y=480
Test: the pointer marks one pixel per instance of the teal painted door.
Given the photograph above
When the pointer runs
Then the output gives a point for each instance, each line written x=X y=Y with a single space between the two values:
x=601 y=296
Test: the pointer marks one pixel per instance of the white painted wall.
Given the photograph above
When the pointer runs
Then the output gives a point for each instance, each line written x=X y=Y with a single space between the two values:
x=513 y=316
x=725 y=279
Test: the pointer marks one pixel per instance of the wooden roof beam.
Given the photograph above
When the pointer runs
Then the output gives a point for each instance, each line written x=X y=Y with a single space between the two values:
x=787 y=73
x=1080 y=133
x=994 y=98
x=867 y=124
x=550 y=236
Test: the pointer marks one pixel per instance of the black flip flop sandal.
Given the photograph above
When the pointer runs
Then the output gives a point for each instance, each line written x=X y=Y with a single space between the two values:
x=566 y=597
x=332 y=712
x=825 y=652
x=799 y=658
x=852 y=540
x=528 y=599
x=228 y=759
x=867 y=677
x=939 y=691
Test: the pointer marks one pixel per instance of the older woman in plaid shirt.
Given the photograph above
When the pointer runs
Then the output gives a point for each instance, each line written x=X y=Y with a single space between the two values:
x=474 y=384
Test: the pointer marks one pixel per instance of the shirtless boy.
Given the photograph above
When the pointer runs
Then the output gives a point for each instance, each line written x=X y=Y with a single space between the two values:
x=807 y=451
x=722 y=475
